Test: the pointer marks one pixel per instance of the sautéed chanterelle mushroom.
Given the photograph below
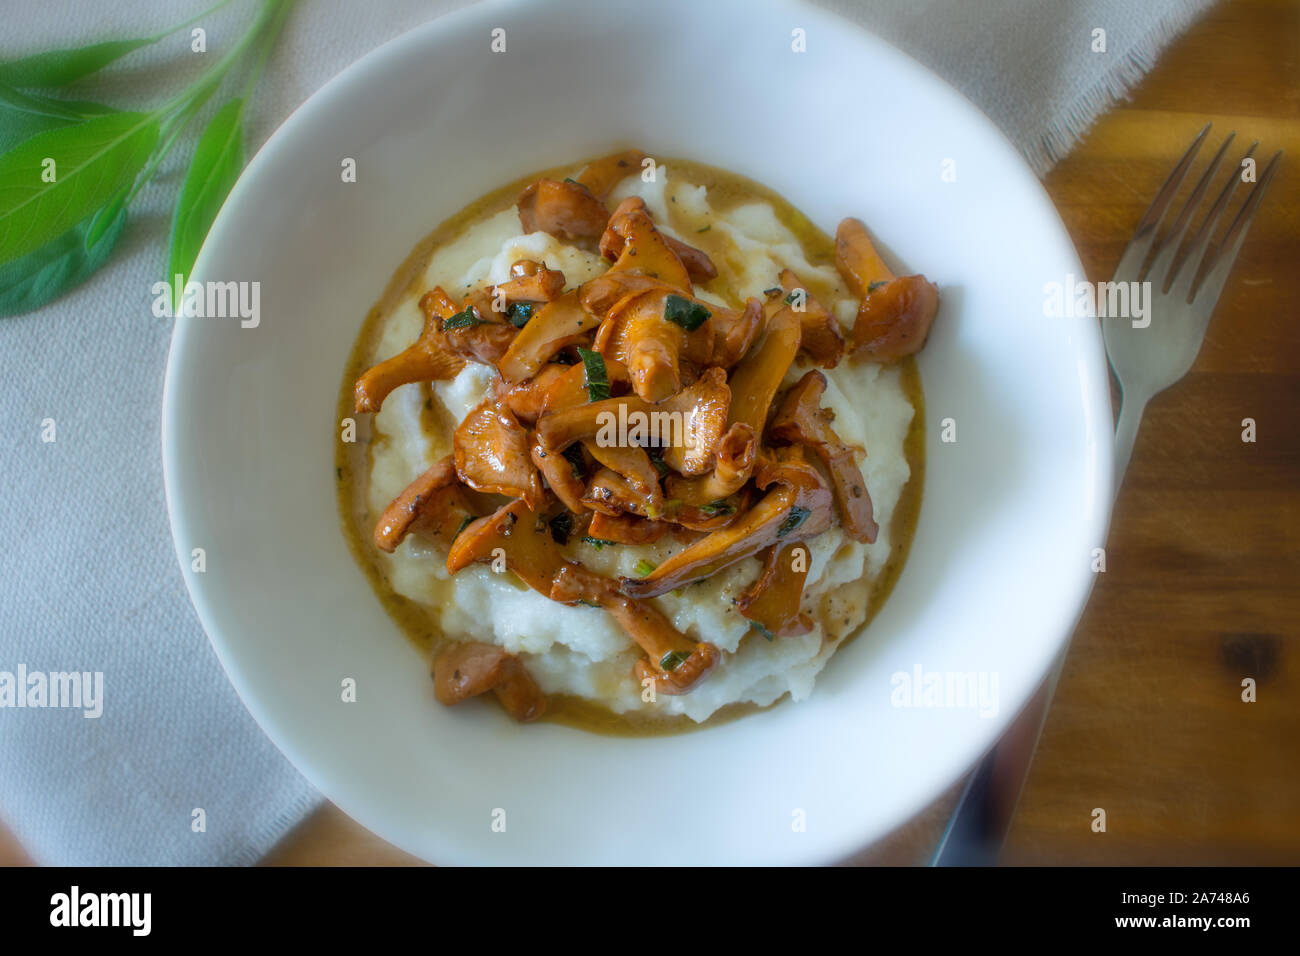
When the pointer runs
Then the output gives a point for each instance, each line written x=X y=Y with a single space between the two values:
x=644 y=466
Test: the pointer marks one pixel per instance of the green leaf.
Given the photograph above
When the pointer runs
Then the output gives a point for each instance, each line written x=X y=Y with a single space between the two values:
x=23 y=115
x=796 y=517
x=521 y=312
x=673 y=660
x=689 y=315
x=61 y=67
x=462 y=320
x=28 y=283
x=93 y=161
x=217 y=161
x=597 y=378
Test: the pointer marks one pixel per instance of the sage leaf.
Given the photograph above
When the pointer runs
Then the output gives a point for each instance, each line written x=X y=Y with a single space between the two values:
x=61 y=67
x=216 y=165
x=94 y=160
x=39 y=277
x=23 y=115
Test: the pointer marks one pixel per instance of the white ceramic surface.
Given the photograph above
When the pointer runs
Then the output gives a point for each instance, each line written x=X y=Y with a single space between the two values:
x=1000 y=565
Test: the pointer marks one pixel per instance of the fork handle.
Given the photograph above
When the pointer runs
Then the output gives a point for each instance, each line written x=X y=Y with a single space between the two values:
x=1126 y=431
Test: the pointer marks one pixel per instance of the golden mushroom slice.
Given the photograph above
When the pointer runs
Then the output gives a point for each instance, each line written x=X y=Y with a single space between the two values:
x=573 y=387
x=521 y=535
x=606 y=290
x=517 y=532
x=772 y=602
x=802 y=421
x=478 y=332
x=797 y=508
x=634 y=465
x=735 y=331
x=675 y=663
x=566 y=475
x=561 y=322
x=734 y=459
x=529 y=282
x=602 y=175
x=610 y=494
x=821 y=337
x=428 y=359
x=697 y=263
x=566 y=210
x=692 y=421
x=626 y=528
x=527 y=400
x=492 y=454
x=755 y=380
x=467 y=669
x=896 y=313
x=655 y=334
x=632 y=240
x=435 y=494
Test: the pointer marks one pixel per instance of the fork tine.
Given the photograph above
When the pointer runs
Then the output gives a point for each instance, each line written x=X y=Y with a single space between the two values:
x=1135 y=252
x=1195 y=253
x=1160 y=269
x=1225 y=254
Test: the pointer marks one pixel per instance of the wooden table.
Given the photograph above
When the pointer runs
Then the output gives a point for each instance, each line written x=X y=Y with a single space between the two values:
x=1202 y=586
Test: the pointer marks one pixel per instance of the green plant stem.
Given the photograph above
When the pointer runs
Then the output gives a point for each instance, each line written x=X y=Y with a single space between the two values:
x=214 y=76
x=182 y=109
x=172 y=130
x=190 y=22
x=268 y=42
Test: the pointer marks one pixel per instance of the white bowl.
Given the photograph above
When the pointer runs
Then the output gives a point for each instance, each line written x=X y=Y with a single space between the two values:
x=1000 y=565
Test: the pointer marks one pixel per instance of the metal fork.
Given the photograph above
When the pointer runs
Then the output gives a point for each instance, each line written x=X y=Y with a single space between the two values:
x=1147 y=358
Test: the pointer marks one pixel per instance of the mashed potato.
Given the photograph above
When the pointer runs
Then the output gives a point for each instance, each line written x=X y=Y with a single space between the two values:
x=579 y=650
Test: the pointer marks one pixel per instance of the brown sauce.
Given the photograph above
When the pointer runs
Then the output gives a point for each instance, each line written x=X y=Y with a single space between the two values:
x=725 y=190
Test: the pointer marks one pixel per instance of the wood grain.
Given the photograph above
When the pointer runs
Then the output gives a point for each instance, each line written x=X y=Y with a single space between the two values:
x=1202 y=586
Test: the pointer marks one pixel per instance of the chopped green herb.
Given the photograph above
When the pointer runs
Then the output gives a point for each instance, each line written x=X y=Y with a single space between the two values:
x=520 y=313
x=597 y=379
x=689 y=315
x=796 y=518
x=644 y=568
x=596 y=543
x=714 y=508
x=570 y=180
x=775 y=290
x=463 y=525
x=795 y=294
x=706 y=228
x=573 y=454
x=561 y=527
x=762 y=629
x=673 y=660
x=462 y=320
x=656 y=454
x=876 y=285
